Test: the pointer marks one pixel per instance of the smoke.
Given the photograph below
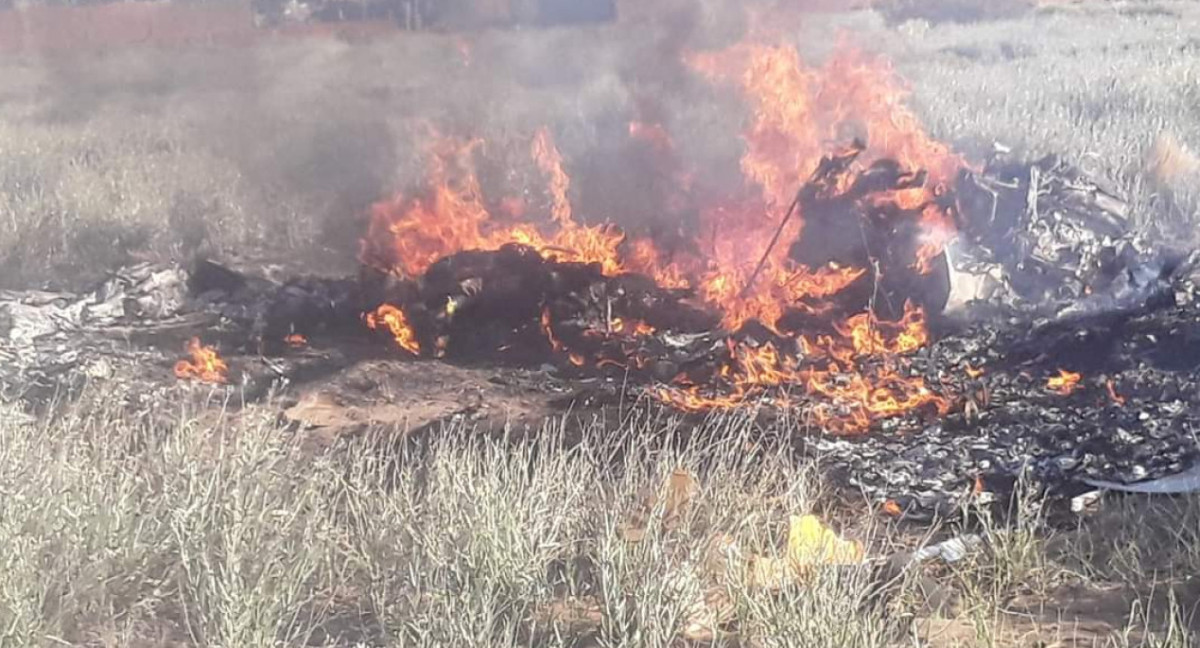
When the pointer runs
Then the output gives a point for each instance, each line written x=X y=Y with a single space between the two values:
x=283 y=145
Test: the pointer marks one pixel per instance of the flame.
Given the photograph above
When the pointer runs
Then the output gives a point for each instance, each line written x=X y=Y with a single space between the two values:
x=394 y=320
x=1117 y=398
x=296 y=341
x=408 y=234
x=205 y=365
x=630 y=327
x=549 y=332
x=549 y=160
x=856 y=393
x=1064 y=383
x=797 y=113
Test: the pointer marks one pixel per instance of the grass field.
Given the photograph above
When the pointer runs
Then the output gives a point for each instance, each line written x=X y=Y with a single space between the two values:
x=226 y=530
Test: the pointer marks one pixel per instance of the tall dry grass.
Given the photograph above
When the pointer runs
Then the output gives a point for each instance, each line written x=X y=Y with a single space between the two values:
x=201 y=527
x=225 y=531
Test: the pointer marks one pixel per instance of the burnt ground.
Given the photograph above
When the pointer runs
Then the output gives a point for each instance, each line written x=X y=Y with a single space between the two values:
x=1057 y=573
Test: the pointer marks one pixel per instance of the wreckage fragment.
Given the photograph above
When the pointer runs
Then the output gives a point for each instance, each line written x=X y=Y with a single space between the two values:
x=518 y=302
x=1126 y=316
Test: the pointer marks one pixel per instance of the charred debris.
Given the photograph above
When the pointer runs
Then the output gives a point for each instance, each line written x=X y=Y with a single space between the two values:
x=1062 y=344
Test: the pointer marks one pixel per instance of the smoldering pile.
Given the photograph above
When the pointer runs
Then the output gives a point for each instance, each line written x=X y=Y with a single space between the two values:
x=1076 y=359
x=1071 y=339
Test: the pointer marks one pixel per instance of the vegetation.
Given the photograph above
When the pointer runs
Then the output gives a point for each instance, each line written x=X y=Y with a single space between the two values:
x=227 y=530
x=1096 y=83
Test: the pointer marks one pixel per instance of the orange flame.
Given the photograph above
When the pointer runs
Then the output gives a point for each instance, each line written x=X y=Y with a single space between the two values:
x=856 y=394
x=1064 y=383
x=549 y=332
x=549 y=160
x=410 y=234
x=296 y=341
x=798 y=113
x=1112 y=393
x=631 y=327
x=394 y=320
x=205 y=365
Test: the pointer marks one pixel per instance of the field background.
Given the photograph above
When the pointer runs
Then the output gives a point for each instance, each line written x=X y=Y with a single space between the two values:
x=108 y=156
x=198 y=528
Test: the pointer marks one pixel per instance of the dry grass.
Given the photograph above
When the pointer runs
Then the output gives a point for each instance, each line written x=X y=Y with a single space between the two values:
x=224 y=530
x=1098 y=84
x=119 y=532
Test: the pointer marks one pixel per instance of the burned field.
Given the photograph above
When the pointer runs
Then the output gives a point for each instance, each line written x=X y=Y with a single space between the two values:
x=613 y=366
x=923 y=324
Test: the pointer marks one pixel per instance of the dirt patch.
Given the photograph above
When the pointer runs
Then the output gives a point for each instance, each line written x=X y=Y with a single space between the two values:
x=413 y=396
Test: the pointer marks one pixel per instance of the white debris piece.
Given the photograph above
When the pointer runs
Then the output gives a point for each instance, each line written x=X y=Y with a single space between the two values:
x=1187 y=481
x=1081 y=503
x=950 y=551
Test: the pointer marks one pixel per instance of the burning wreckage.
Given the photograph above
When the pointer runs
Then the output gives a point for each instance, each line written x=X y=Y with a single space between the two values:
x=923 y=325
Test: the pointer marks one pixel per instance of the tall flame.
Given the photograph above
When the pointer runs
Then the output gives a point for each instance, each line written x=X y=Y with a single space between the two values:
x=395 y=322
x=204 y=364
x=410 y=234
x=797 y=114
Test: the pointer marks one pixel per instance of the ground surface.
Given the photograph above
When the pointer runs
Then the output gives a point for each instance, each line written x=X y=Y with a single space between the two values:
x=185 y=526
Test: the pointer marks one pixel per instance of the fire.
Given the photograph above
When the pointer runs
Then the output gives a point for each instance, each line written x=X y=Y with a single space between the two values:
x=296 y=341
x=205 y=365
x=549 y=160
x=408 y=234
x=796 y=114
x=799 y=110
x=394 y=320
x=856 y=393
x=549 y=332
x=1117 y=398
x=1064 y=383
x=630 y=327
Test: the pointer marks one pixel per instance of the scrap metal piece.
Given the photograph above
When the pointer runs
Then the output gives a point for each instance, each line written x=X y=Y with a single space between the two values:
x=949 y=551
x=1187 y=481
x=1086 y=501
